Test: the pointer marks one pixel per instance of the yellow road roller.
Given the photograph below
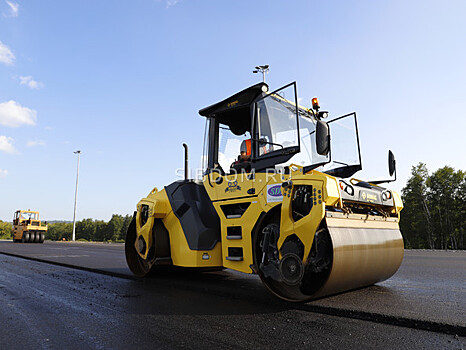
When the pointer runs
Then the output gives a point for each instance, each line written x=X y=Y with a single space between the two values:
x=27 y=228
x=277 y=198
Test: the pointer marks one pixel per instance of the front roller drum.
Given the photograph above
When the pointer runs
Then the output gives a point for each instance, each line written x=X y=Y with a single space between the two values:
x=341 y=259
x=362 y=256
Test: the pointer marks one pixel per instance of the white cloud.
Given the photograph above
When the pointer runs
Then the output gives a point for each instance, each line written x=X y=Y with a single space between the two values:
x=29 y=81
x=6 y=145
x=35 y=143
x=3 y=173
x=6 y=56
x=171 y=3
x=12 y=114
x=14 y=9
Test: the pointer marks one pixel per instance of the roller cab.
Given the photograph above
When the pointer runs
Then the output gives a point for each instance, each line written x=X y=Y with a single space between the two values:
x=278 y=198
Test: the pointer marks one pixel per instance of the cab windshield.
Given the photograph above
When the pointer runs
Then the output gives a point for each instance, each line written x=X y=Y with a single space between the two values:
x=282 y=126
x=28 y=215
x=277 y=124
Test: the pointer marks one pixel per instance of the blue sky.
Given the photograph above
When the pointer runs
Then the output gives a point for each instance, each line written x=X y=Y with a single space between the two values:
x=123 y=82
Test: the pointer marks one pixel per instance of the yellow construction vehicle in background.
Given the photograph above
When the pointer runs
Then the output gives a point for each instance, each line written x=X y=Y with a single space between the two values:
x=277 y=199
x=27 y=227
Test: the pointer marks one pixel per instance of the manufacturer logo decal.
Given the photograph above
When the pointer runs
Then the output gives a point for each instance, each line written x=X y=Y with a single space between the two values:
x=233 y=186
x=231 y=104
x=274 y=193
x=369 y=197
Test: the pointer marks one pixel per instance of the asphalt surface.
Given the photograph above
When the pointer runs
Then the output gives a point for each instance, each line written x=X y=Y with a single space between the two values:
x=45 y=306
x=428 y=292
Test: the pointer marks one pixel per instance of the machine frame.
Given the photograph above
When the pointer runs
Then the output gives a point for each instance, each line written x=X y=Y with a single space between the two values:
x=305 y=232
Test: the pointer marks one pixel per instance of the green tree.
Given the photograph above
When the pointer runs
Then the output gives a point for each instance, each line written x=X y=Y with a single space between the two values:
x=460 y=204
x=416 y=222
x=5 y=230
x=59 y=230
x=434 y=214
x=85 y=229
x=444 y=200
x=100 y=230
x=126 y=221
x=114 y=227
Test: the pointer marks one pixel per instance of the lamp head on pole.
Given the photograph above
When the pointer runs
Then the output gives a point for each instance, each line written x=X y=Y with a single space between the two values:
x=262 y=69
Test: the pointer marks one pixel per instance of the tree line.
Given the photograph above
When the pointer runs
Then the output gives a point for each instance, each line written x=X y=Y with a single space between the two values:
x=434 y=214
x=5 y=230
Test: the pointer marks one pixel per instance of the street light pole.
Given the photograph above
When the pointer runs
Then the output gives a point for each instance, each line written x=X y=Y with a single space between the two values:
x=262 y=69
x=76 y=197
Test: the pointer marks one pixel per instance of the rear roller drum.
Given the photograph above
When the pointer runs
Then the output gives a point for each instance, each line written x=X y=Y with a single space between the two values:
x=32 y=237
x=37 y=237
x=42 y=238
x=136 y=264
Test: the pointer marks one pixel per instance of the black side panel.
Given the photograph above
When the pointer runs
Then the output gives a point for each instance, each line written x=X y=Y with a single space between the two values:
x=162 y=239
x=197 y=215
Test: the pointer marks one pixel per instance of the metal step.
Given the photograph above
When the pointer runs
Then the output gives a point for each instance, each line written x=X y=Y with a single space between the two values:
x=234 y=258
x=234 y=232
x=235 y=254
x=234 y=237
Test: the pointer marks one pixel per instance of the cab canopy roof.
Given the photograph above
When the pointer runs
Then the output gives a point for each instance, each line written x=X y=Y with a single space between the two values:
x=235 y=110
x=27 y=211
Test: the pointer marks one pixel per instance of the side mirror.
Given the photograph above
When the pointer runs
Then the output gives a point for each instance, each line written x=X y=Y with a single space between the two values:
x=391 y=169
x=322 y=138
x=391 y=163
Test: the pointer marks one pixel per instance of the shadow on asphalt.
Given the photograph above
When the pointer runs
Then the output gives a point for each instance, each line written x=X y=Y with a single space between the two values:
x=194 y=292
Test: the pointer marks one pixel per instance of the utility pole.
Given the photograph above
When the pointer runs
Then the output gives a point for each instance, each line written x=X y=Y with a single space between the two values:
x=262 y=69
x=76 y=197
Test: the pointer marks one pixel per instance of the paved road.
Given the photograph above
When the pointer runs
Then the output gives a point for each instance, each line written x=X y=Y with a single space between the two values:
x=45 y=306
x=428 y=292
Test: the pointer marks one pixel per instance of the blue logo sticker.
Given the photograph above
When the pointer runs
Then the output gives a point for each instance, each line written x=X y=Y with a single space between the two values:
x=275 y=191
x=233 y=186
